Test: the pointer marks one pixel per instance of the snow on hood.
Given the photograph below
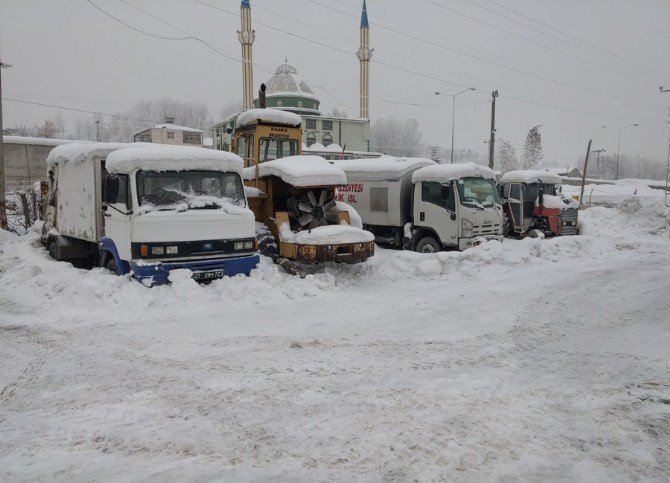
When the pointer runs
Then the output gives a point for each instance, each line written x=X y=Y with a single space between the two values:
x=326 y=235
x=443 y=173
x=162 y=157
x=83 y=151
x=531 y=176
x=382 y=168
x=268 y=115
x=304 y=170
x=557 y=202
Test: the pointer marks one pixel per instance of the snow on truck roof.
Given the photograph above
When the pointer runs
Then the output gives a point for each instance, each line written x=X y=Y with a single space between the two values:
x=382 y=168
x=124 y=157
x=37 y=141
x=531 y=176
x=446 y=172
x=161 y=157
x=274 y=116
x=303 y=170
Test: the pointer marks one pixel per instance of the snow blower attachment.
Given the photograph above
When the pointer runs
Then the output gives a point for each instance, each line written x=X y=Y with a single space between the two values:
x=294 y=196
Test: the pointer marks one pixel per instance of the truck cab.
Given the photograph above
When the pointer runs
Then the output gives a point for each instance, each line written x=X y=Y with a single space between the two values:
x=454 y=206
x=532 y=200
x=146 y=210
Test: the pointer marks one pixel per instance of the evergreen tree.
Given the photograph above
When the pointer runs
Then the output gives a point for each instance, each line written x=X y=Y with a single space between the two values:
x=532 y=149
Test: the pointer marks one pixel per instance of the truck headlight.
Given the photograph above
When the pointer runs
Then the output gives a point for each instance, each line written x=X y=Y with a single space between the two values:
x=157 y=251
x=466 y=228
x=173 y=250
x=248 y=245
x=238 y=246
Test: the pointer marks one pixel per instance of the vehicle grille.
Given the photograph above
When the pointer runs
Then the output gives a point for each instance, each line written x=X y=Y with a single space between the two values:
x=569 y=221
x=495 y=229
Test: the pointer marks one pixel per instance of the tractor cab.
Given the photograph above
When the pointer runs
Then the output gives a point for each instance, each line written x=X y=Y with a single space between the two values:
x=532 y=200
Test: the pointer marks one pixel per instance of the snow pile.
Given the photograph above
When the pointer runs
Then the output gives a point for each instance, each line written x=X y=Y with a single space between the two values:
x=80 y=152
x=531 y=176
x=316 y=147
x=161 y=157
x=270 y=116
x=382 y=168
x=354 y=218
x=443 y=173
x=614 y=193
x=325 y=235
x=301 y=171
x=557 y=202
x=37 y=141
x=251 y=192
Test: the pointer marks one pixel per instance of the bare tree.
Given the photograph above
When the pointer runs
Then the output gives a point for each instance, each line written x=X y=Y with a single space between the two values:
x=338 y=114
x=506 y=157
x=47 y=129
x=232 y=107
x=397 y=137
x=532 y=149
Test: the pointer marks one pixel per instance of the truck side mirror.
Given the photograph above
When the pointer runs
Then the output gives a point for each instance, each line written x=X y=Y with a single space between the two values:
x=111 y=189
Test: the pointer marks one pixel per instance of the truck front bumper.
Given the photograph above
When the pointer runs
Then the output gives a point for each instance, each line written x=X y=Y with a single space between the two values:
x=203 y=270
x=464 y=243
x=341 y=252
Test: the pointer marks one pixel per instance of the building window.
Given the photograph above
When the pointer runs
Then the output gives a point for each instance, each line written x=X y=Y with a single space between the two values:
x=327 y=125
x=279 y=103
x=311 y=137
x=170 y=135
x=327 y=139
x=310 y=124
x=193 y=138
x=299 y=103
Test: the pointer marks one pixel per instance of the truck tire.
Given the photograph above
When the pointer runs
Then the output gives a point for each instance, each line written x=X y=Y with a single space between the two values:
x=52 y=248
x=428 y=244
x=111 y=266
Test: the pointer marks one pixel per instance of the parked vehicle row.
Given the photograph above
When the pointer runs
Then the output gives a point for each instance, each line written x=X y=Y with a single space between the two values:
x=148 y=209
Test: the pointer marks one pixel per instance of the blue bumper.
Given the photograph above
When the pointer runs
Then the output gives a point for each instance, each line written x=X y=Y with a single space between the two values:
x=157 y=273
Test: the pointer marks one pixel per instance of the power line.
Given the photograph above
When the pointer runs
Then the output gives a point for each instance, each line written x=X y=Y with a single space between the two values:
x=497 y=64
x=543 y=32
x=613 y=54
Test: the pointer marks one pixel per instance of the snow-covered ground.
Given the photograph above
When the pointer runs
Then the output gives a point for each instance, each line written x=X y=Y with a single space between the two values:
x=540 y=359
x=621 y=189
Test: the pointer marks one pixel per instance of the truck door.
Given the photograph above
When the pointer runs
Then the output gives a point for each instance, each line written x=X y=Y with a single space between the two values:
x=117 y=218
x=435 y=207
x=515 y=200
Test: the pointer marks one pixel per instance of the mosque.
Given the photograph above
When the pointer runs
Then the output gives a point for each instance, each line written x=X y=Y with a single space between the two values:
x=286 y=90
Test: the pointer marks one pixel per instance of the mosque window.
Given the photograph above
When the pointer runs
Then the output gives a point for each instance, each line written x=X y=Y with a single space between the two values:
x=311 y=137
x=310 y=124
x=299 y=103
x=327 y=126
x=327 y=139
x=279 y=103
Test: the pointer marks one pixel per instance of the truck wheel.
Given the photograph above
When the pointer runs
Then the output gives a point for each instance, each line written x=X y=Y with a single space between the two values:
x=111 y=266
x=427 y=244
x=52 y=248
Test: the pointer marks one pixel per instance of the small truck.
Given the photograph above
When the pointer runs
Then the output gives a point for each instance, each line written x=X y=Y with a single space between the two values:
x=149 y=209
x=416 y=204
x=532 y=200
x=293 y=195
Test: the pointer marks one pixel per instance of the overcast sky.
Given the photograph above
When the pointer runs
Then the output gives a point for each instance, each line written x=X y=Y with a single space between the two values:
x=605 y=58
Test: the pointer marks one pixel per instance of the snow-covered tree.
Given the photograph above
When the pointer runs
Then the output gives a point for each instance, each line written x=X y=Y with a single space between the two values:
x=47 y=129
x=532 y=149
x=397 y=137
x=506 y=157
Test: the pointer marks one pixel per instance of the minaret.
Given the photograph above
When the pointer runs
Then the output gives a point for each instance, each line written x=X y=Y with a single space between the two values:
x=364 y=55
x=246 y=36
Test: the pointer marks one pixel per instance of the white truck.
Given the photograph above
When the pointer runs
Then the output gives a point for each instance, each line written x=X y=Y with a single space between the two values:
x=148 y=209
x=419 y=205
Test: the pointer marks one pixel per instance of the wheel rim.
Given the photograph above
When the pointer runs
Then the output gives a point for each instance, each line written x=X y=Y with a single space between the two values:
x=428 y=248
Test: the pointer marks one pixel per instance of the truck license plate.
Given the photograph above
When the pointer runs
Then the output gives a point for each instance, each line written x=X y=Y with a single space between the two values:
x=207 y=275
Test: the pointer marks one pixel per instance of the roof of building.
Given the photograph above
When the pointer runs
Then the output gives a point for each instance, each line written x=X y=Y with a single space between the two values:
x=37 y=141
x=286 y=81
x=364 y=17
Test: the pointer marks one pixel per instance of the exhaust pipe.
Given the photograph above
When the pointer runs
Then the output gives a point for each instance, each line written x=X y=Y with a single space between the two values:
x=261 y=97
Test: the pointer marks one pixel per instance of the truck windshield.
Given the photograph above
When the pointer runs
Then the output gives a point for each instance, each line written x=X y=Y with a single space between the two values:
x=166 y=190
x=478 y=192
x=271 y=148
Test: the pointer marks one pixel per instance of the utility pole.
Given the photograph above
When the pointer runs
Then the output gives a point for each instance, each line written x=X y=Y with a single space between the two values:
x=598 y=151
x=667 y=172
x=492 y=141
x=3 y=207
x=586 y=165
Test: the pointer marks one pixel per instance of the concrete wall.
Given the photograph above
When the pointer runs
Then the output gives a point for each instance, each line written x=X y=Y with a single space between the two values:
x=25 y=162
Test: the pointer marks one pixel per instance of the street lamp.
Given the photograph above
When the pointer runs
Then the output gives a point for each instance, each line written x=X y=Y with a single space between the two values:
x=618 y=148
x=453 y=111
